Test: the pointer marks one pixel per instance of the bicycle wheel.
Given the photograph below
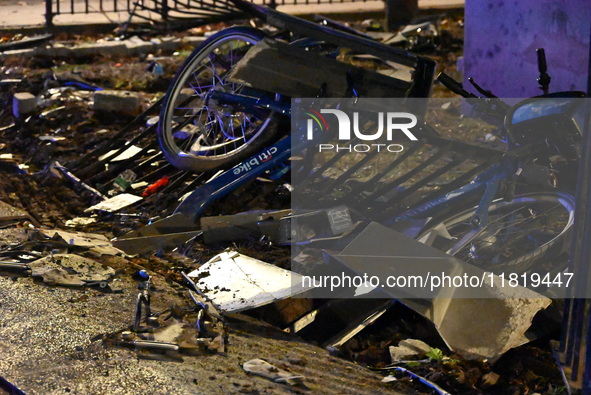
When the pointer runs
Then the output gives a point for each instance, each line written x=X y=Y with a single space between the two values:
x=519 y=233
x=198 y=132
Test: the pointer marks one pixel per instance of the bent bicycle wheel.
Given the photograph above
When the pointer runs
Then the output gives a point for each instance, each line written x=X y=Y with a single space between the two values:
x=527 y=230
x=197 y=130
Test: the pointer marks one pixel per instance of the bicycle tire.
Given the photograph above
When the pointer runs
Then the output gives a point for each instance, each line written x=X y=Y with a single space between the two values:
x=206 y=138
x=490 y=249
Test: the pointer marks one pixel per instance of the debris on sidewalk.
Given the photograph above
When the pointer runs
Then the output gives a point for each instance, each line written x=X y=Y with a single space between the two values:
x=60 y=171
x=236 y=282
x=260 y=367
x=71 y=270
x=25 y=42
x=53 y=116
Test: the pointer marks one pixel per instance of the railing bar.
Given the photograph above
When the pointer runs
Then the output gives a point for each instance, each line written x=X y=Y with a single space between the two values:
x=402 y=179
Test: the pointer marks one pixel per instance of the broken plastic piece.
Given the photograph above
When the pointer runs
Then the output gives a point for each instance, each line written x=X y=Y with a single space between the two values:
x=152 y=189
x=124 y=180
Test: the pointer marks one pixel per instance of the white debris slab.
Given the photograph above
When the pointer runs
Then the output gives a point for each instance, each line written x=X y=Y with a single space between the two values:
x=236 y=282
x=115 y=203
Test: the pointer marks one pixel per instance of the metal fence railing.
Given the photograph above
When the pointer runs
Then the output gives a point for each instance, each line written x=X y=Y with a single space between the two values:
x=164 y=10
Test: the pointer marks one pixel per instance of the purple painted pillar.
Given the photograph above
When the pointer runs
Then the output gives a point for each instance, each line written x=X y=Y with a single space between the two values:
x=501 y=37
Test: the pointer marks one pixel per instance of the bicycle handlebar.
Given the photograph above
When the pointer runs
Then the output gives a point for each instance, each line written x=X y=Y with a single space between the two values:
x=454 y=86
x=544 y=79
x=492 y=104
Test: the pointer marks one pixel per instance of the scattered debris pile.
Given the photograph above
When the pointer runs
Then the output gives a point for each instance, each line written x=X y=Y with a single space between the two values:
x=79 y=153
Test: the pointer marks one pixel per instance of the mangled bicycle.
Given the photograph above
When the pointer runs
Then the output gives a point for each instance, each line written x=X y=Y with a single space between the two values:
x=227 y=107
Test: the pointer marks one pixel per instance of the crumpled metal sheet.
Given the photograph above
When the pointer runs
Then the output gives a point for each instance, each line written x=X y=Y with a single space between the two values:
x=236 y=282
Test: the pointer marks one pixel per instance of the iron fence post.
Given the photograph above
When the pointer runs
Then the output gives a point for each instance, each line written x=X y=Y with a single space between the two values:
x=48 y=14
x=165 y=10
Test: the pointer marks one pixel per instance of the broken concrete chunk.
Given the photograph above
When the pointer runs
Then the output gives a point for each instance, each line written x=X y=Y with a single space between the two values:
x=121 y=102
x=99 y=244
x=23 y=103
x=56 y=276
x=71 y=270
x=409 y=349
x=402 y=353
x=418 y=345
x=263 y=368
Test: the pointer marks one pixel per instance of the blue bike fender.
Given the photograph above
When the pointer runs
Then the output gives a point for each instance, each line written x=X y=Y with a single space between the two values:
x=194 y=204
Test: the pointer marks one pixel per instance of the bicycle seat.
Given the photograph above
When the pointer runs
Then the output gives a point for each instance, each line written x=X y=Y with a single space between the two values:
x=551 y=116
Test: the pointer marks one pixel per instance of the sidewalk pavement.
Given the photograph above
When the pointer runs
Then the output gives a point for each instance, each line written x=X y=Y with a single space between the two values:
x=31 y=13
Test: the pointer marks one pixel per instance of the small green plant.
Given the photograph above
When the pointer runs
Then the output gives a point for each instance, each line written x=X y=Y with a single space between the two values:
x=435 y=354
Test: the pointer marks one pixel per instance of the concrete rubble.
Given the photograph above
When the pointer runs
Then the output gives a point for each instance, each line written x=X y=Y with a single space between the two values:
x=23 y=103
x=118 y=102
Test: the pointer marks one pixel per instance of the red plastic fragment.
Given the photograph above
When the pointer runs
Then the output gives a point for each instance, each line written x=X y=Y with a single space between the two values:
x=155 y=187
